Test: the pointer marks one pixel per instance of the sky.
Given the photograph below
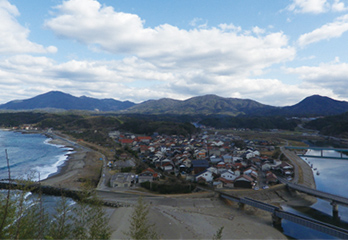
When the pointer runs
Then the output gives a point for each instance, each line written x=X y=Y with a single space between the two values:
x=273 y=52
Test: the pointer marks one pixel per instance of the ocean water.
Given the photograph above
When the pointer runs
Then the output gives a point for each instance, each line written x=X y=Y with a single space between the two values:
x=332 y=178
x=30 y=155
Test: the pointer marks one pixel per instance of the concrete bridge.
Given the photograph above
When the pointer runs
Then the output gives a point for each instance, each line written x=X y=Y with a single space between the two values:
x=334 y=200
x=278 y=215
x=342 y=151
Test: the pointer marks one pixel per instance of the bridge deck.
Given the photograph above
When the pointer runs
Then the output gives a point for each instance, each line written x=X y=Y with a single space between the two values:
x=304 y=221
x=317 y=193
x=318 y=148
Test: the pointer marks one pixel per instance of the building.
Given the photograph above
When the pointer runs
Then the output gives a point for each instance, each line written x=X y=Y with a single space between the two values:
x=122 y=180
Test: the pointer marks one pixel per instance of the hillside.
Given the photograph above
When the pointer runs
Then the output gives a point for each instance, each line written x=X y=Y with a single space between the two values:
x=203 y=105
x=315 y=106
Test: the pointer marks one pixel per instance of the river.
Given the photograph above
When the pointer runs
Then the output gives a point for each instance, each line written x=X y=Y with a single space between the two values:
x=332 y=178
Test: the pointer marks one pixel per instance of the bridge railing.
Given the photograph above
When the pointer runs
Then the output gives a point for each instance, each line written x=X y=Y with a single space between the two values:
x=314 y=224
x=279 y=214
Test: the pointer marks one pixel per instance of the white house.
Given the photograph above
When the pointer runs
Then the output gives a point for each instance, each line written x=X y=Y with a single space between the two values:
x=228 y=175
x=206 y=175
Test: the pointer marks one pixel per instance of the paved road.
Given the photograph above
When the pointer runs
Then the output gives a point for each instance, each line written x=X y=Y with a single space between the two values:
x=303 y=172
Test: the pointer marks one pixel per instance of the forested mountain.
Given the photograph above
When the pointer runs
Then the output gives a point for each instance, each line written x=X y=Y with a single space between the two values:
x=202 y=105
x=60 y=100
x=314 y=106
x=331 y=125
x=206 y=105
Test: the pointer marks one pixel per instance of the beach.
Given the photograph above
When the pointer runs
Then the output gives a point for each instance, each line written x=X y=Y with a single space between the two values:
x=80 y=165
x=191 y=216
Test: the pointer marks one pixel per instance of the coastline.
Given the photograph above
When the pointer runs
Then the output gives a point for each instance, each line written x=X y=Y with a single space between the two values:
x=79 y=166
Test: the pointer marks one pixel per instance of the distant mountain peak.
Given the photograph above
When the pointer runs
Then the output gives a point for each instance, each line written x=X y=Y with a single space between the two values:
x=65 y=101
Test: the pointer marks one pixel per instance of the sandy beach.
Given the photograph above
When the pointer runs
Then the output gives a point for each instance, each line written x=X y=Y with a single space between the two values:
x=82 y=164
x=192 y=216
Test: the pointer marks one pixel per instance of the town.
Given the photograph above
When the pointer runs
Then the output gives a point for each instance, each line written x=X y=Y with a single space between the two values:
x=216 y=160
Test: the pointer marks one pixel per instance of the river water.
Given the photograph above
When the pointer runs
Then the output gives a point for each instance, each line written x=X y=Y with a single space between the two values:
x=332 y=178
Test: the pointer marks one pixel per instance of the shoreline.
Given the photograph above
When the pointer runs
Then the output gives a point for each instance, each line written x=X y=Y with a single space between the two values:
x=78 y=168
x=62 y=168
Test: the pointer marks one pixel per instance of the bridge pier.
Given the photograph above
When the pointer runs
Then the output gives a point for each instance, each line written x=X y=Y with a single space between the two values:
x=241 y=205
x=276 y=221
x=335 y=210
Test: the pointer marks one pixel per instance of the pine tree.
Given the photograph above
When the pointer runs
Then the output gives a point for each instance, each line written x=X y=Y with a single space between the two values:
x=140 y=228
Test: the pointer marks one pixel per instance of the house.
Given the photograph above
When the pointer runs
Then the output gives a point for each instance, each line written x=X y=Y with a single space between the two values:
x=286 y=169
x=207 y=176
x=124 y=163
x=201 y=154
x=214 y=160
x=126 y=142
x=144 y=139
x=244 y=181
x=187 y=162
x=266 y=167
x=251 y=172
x=218 y=184
x=271 y=178
x=199 y=165
x=221 y=166
x=226 y=183
x=148 y=175
x=122 y=180
x=227 y=158
x=228 y=175
x=213 y=170
x=167 y=166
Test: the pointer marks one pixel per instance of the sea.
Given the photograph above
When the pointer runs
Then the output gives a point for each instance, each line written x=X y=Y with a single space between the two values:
x=32 y=156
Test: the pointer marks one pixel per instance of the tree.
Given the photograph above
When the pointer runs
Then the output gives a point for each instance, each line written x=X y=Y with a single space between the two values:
x=140 y=228
x=218 y=234
x=61 y=225
x=89 y=220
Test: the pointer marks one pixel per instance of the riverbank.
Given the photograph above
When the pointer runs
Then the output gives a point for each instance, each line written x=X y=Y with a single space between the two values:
x=303 y=172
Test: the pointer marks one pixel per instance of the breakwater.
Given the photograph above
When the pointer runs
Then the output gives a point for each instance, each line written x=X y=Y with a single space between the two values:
x=54 y=191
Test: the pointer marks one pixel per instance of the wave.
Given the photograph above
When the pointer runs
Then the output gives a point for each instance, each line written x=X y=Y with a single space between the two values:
x=32 y=156
x=47 y=170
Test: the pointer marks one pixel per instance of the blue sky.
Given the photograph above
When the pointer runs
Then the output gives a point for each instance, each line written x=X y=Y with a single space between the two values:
x=274 y=52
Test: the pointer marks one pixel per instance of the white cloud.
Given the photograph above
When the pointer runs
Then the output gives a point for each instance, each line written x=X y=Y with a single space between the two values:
x=325 y=32
x=167 y=46
x=316 y=6
x=338 y=6
x=309 y=6
x=14 y=37
x=330 y=76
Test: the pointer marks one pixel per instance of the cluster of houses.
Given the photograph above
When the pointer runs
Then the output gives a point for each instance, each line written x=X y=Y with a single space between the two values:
x=213 y=159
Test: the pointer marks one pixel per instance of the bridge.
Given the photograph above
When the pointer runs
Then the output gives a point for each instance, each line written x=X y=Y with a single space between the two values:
x=342 y=151
x=334 y=200
x=278 y=215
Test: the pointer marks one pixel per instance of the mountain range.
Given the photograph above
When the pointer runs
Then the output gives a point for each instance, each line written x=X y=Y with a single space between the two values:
x=203 y=105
